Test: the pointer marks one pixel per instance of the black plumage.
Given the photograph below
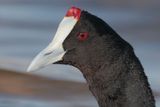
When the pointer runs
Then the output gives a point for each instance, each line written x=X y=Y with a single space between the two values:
x=113 y=72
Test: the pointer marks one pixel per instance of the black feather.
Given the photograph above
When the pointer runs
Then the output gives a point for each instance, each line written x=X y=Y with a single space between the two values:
x=114 y=74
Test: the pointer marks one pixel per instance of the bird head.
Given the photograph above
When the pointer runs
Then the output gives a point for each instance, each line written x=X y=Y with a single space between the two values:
x=80 y=41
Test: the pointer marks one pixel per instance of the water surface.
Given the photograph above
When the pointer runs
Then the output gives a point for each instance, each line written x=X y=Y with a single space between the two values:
x=26 y=27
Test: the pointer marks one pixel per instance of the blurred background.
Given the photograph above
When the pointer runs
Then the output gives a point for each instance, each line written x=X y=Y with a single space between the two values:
x=27 y=26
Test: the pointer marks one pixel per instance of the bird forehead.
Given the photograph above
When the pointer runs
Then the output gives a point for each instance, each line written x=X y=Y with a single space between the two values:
x=65 y=27
x=63 y=31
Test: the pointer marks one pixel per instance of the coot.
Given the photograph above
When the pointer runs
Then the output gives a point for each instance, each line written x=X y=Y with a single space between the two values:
x=114 y=74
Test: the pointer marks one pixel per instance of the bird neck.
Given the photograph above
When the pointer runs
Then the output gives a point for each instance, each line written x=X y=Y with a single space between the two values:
x=121 y=83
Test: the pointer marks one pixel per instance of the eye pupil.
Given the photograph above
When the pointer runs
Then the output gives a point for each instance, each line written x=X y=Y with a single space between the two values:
x=83 y=36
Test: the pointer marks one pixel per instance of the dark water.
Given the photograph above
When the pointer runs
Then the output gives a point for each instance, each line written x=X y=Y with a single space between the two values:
x=26 y=27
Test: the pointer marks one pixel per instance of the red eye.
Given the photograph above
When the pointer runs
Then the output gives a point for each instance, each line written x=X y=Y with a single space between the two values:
x=83 y=36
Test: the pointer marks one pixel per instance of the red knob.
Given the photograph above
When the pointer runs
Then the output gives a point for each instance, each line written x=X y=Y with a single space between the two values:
x=75 y=12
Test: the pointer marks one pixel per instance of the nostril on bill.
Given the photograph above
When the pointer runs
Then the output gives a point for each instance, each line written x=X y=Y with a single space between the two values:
x=48 y=53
